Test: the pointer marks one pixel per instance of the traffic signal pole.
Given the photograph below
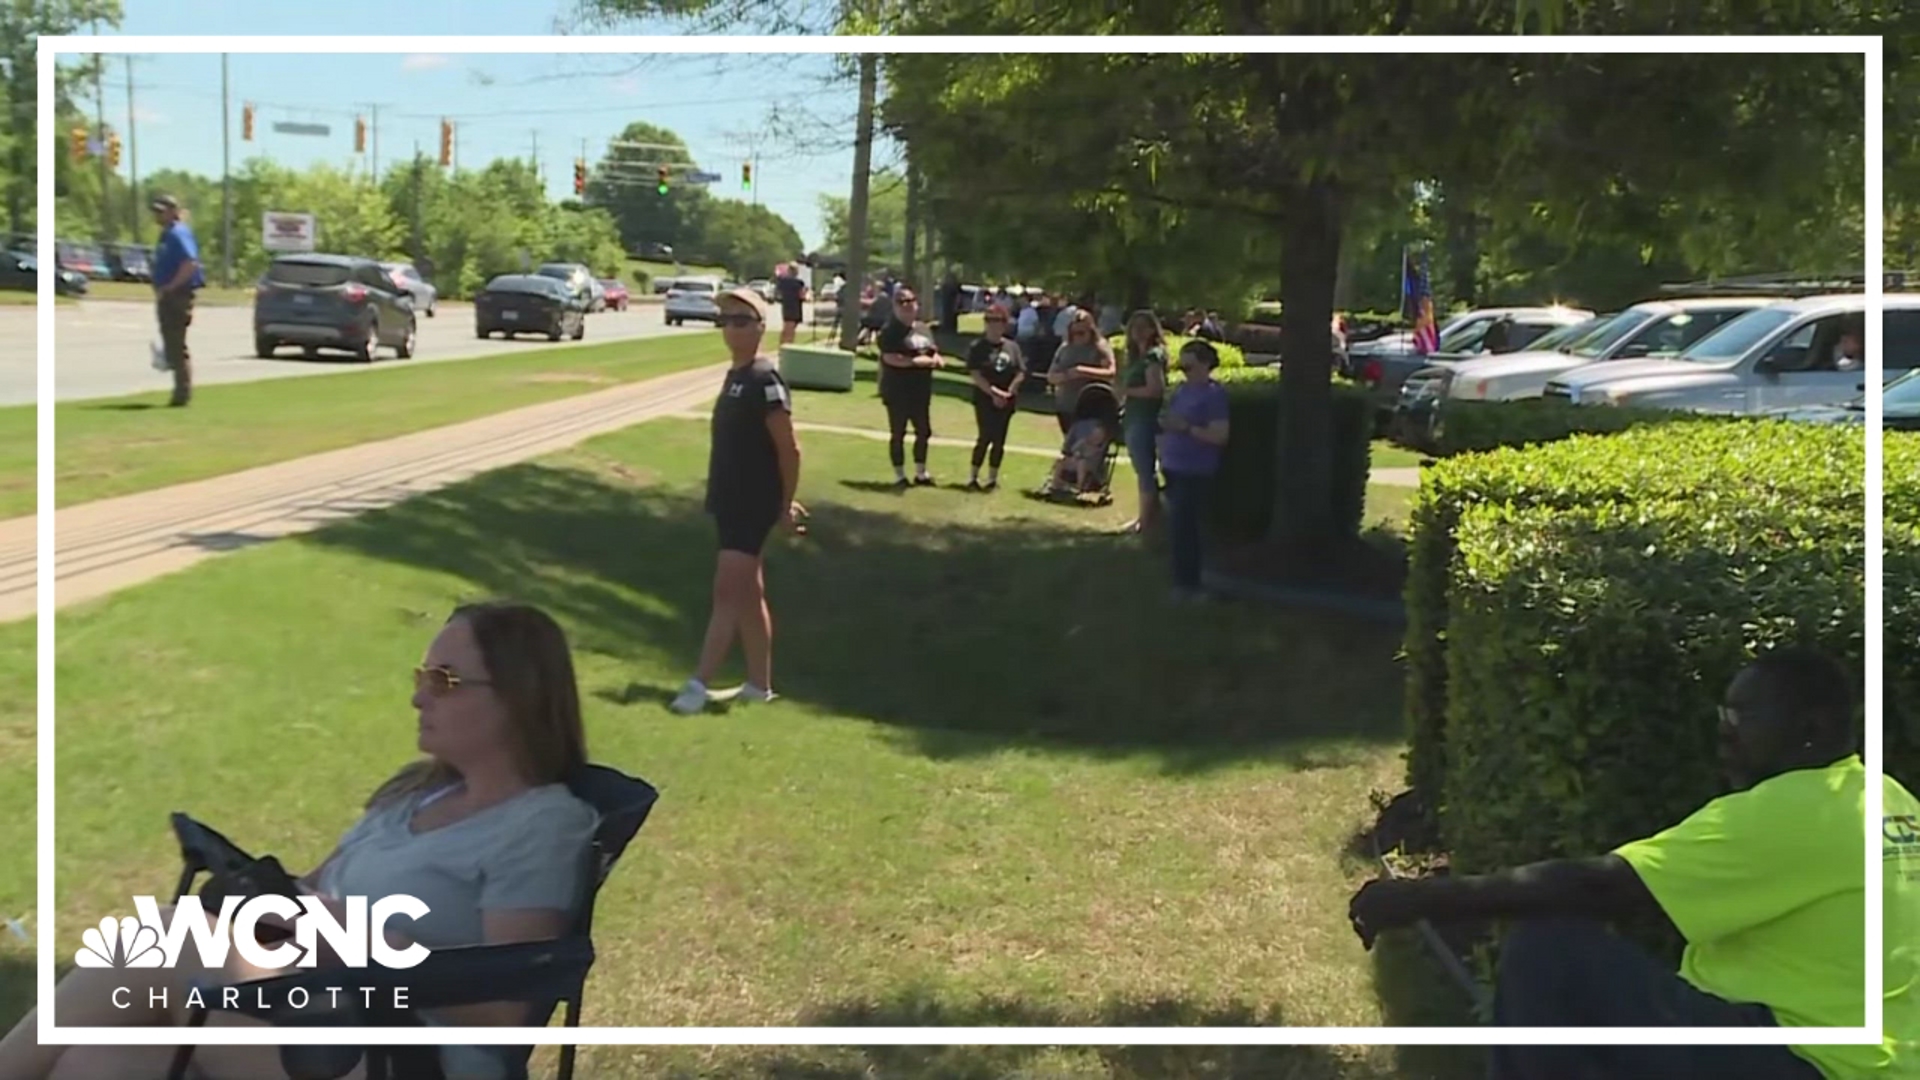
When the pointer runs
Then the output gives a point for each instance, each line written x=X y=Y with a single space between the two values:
x=226 y=180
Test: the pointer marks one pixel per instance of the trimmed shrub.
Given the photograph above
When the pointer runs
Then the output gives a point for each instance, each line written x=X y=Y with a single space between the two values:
x=1231 y=356
x=1900 y=590
x=1473 y=426
x=1242 y=504
x=1716 y=470
x=1590 y=646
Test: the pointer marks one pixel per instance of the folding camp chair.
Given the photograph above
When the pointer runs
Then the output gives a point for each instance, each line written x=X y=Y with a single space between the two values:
x=542 y=974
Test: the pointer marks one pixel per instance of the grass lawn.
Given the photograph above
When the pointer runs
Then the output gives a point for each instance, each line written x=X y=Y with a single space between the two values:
x=124 y=445
x=19 y=298
x=239 y=296
x=1006 y=784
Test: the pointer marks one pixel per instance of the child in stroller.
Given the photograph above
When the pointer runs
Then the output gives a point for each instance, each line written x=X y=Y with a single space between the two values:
x=1085 y=466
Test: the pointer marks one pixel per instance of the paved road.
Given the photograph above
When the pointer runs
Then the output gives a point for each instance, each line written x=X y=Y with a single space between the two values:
x=101 y=347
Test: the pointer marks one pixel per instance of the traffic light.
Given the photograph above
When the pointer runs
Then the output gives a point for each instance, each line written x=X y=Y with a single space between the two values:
x=661 y=172
x=359 y=135
x=77 y=143
x=246 y=123
x=580 y=176
x=746 y=175
x=446 y=143
x=113 y=149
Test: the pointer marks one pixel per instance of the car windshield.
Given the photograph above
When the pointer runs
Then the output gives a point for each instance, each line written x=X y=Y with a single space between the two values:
x=1736 y=336
x=695 y=286
x=1597 y=343
x=1464 y=336
x=306 y=273
x=1900 y=398
x=560 y=272
x=1569 y=336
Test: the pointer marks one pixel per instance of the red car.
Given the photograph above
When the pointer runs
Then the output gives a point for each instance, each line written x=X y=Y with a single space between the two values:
x=617 y=295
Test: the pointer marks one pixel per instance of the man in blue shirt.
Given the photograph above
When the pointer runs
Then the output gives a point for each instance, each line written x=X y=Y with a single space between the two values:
x=176 y=277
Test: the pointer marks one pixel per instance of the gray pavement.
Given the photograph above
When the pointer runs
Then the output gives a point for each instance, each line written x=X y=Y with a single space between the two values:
x=101 y=348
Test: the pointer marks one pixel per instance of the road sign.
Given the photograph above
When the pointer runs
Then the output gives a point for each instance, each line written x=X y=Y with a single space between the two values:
x=288 y=232
x=289 y=127
x=702 y=178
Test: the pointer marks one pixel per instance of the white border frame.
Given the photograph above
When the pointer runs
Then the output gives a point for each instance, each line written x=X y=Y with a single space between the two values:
x=49 y=48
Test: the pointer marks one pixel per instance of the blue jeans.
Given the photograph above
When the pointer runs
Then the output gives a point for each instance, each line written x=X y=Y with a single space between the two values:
x=1575 y=973
x=1143 y=450
x=1186 y=511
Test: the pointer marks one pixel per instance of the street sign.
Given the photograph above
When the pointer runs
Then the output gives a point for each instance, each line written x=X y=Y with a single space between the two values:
x=288 y=232
x=703 y=178
x=290 y=127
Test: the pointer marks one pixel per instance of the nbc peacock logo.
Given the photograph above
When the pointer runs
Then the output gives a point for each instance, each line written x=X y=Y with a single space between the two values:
x=120 y=943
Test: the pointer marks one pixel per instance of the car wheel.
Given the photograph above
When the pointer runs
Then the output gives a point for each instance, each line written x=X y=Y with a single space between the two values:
x=404 y=350
x=558 y=332
x=482 y=333
x=433 y=308
x=263 y=348
x=364 y=353
x=311 y=352
x=580 y=331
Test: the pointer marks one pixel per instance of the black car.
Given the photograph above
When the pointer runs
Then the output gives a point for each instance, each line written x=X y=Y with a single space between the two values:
x=529 y=304
x=19 y=272
x=331 y=302
x=129 y=262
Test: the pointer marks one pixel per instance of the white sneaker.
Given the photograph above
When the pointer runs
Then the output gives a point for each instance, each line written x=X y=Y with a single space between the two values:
x=755 y=694
x=692 y=699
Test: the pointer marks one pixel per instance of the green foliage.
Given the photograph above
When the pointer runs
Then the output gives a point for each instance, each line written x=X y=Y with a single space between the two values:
x=1230 y=355
x=1243 y=494
x=1473 y=426
x=886 y=221
x=1739 y=471
x=1900 y=589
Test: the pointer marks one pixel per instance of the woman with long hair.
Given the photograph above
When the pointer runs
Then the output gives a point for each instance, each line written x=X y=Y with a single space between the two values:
x=1144 y=385
x=1084 y=358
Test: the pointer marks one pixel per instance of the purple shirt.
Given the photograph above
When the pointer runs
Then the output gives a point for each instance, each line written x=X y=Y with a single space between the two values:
x=1199 y=406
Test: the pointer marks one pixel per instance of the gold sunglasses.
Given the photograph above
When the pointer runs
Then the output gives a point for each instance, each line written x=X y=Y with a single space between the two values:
x=441 y=679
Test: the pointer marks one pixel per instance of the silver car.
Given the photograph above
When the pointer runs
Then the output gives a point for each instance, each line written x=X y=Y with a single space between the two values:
x=406 y=275
x=1782 y=356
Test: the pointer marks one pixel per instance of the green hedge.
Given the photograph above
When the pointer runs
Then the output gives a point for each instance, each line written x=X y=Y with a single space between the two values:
x=1713 y=469
x=1231 y=356
x=1901 y=612
x=1242 y=504
x=1474 y=426
x=1590 y=646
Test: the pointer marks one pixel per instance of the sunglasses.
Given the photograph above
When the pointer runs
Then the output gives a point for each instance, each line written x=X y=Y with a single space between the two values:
x=441 y=679
x=738 y=320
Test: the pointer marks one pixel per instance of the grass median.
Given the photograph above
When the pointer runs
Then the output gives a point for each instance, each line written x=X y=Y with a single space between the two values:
x=1006 y=783
x=126 y=445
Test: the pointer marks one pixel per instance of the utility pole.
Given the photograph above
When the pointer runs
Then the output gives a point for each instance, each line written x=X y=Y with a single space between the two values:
x=857 y=202
x=100 y=113
x=414 y=247
x=133 y=158
x=226 y=179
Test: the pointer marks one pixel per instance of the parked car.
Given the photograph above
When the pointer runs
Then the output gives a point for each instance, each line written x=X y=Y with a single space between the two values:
x=693 y=298
x=661 y=285
x=1899 y=407
x=319 y=301
x=1416 y=417
x=82 y=258
x=1385 y=363
x=426 y=296
x=1777 y=357
x=616 y=292
x=129 y=262
x=577 y=277
x=765 y=289
x=514 y=304
x=20 y=272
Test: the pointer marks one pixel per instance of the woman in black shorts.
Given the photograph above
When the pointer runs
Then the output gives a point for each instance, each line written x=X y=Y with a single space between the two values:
x=997 y=368
x=908 y=357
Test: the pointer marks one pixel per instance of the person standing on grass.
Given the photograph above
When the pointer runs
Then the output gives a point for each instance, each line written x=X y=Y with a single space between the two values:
x=997 y=368
x=1766 y=884
x=1194 y=437
x=908 y=359
x=753 y=473
x=1084 y=359
x=176 y=277
x=1144 y=383
x=792 y=292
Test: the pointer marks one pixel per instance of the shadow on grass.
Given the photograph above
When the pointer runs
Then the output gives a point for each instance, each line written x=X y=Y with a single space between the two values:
x=17 y=990
x=963 y=636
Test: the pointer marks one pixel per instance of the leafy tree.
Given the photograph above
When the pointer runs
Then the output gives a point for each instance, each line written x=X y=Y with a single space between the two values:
x=22 y=24
x=886 y=219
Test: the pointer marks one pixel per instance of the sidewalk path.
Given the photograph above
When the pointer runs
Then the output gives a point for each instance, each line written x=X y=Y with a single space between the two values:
x=113 y=543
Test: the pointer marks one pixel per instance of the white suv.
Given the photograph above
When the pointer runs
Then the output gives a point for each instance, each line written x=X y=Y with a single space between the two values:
x=1780 y=356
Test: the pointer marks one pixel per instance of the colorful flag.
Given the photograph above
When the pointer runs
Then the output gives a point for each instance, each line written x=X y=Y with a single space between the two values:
x=1416 y=302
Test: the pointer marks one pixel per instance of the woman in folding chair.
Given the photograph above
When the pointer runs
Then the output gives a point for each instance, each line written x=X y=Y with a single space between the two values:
x=483 y=830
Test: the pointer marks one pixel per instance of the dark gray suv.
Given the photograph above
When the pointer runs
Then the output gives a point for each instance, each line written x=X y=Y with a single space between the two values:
x=331 y=302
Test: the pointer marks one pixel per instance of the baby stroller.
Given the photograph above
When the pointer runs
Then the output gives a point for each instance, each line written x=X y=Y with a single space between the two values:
x=1095 y=414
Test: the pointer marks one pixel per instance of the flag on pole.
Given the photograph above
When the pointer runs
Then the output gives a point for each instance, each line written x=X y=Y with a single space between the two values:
x=1416 y=302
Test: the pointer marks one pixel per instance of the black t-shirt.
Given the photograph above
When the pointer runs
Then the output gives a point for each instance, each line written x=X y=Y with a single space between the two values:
x=789 y=290
x=898 y=337
x=743 y=470
x=998 y=363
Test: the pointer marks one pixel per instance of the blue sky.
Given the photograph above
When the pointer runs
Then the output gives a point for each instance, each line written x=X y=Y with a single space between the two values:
x=502 y=104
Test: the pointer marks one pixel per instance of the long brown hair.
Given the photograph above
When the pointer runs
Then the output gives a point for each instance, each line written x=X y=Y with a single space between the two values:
x=1155 y=337
x=531 y=667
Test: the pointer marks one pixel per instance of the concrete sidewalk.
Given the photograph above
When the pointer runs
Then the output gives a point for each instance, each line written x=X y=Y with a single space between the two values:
x=114 y=543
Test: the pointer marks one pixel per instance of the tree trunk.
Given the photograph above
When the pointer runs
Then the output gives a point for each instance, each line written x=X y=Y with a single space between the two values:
x=1303 y=518
x=910 y=271
x=1139 y=292
x=857 y=203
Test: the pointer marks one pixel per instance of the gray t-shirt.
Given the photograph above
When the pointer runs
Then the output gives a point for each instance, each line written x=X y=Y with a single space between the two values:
x=1068 y=357
x=527 y=852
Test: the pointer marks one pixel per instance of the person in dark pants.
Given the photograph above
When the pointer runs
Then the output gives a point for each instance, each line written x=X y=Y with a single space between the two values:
x=753 y=473
x=997 y=369
x=908 y=359
x=1194 y=431
x=176 y=277
x=1766 y=884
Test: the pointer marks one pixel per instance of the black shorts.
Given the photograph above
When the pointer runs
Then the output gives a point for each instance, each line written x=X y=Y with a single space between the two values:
x=790 y=312
x=744 y=531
